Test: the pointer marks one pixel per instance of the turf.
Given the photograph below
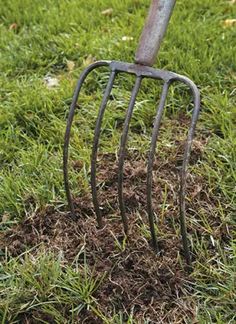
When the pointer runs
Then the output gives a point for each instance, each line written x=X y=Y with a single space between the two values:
x=51 y=39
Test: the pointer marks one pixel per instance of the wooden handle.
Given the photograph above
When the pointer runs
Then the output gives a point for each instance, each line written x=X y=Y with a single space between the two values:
x=154 y=30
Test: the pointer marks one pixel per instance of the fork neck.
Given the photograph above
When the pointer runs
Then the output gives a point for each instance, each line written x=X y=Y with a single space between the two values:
x=154 y=30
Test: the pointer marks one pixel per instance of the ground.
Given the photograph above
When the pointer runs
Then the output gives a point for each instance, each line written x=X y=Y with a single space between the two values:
x=55 y=268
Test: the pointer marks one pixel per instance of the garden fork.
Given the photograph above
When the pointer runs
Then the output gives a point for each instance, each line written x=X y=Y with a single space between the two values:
x=155 y=27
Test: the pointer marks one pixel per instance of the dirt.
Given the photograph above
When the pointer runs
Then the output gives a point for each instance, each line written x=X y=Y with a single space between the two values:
x=151 y=286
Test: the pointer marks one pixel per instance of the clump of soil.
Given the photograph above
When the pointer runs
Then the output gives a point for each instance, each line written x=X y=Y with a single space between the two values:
x=137 y=279
x=152 y=286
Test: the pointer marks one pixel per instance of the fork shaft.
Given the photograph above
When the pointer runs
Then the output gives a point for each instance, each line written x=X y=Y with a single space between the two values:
x=155 y=134
x=95 y=147
x=154 y=30
x=122 y=152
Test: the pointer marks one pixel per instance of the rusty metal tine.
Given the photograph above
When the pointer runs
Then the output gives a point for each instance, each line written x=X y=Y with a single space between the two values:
x=160 y=12
x=155 y=134
x=80 y=82
x=183 y=175
x=122 y=151
x=95 y=147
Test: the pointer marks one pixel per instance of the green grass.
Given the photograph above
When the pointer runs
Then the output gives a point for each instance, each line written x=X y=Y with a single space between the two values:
x=47 y=34
x=44 y=290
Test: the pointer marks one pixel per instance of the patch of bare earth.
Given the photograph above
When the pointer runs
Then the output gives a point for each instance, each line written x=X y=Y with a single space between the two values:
x=151 y=286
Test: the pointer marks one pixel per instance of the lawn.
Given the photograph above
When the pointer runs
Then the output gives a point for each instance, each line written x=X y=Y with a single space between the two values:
x=54 y=269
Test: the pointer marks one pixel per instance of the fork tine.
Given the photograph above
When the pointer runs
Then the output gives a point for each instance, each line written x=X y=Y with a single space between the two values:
x=122 y=151
x=67 y=139
x=183 y=175
x=80 y=82
x=140 y=72
x=95 y=147
x=155 y=134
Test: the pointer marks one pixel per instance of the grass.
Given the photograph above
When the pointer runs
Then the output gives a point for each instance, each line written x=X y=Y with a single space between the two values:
x=44 y=287
x=39 y=40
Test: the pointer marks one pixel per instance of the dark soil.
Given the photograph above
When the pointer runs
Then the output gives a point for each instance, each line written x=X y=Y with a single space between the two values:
x=137 y=279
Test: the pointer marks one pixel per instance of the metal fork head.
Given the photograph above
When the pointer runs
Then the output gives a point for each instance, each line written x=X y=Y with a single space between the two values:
x=140 y=72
